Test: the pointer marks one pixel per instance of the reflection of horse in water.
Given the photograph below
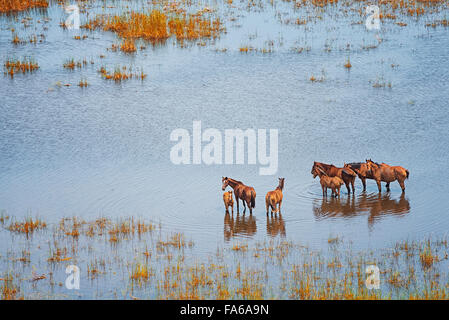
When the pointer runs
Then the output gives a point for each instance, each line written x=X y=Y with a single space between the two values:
x=376 y=205
x=239 y=226
x=275 y=225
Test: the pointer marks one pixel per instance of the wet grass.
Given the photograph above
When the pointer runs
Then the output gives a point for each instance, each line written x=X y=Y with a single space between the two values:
x=121 y=74
x=15 y=66
x=156 y=27
x=7 y=6
x=146 y=261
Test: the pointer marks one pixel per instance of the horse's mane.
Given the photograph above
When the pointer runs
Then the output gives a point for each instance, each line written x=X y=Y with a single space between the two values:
x=325 y=165
x=240 y=182
x=356 y=165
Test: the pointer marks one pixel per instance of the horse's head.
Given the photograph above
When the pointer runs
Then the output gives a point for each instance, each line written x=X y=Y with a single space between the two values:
x=317 y=170
x=281 y=183
x=225 y=182
x=370 y=165
x=313 y=171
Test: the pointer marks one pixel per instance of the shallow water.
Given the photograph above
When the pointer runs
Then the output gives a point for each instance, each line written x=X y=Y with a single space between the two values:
x=104 y=150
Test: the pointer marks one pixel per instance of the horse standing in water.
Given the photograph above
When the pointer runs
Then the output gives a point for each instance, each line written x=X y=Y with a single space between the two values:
x=274 y=198
x=334 y=183
x=361 y=168
x=346 y=174
x=245 y=193
x=384 y=172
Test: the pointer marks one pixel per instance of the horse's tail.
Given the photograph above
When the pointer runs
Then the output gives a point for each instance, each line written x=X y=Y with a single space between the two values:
x=253 y=199
x=408 y=173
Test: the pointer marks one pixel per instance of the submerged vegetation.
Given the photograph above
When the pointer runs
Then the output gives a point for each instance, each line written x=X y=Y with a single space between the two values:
x=140 y=260
x=156 y=26
x=7 y=6
x=121 y=74
x=20 y=66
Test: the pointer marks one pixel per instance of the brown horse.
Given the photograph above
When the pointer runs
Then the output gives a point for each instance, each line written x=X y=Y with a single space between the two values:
x=346 y=174
x=362 y=171
x=384 y=172
x=228 y=201
x=334 y=183
x=245 y=193
x=273 y=198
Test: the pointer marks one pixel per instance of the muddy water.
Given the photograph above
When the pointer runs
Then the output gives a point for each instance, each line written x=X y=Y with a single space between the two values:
x=104 y=150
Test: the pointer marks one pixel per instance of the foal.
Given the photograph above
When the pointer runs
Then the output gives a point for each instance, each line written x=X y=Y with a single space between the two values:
x=228 y=201
x=273 y=198
x=333 y=183
x=346 y=174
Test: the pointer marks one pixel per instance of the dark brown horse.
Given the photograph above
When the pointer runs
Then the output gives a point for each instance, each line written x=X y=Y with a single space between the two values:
x=346 y=174
x=362 y=171
x=245 y=193
x=384 y=172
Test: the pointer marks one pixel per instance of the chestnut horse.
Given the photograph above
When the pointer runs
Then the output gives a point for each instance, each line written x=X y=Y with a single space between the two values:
x=361 y=168
x=334 y=183
x=346 y=174
x=273 y=198
x=384 y=172
x=245 y=193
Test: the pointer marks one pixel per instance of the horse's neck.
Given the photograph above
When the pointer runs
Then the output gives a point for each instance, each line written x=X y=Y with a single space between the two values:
x=327 y=167
x=233 y=183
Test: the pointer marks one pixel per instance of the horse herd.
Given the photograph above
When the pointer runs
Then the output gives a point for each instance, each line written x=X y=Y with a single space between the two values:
x=331 y=177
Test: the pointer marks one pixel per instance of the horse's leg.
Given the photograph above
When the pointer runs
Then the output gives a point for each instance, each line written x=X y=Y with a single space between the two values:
x=244 y=206
x=388 y=186
x=237 y=200
x=364 y=183
x=267 y=204
x=401 y=183
x=353 y=188
x=232 y=208
x=379 y=186
x=280 y=202
x=248 y=202
x=347 y=186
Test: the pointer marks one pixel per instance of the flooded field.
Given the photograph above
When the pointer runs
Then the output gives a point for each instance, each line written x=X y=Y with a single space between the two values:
x=85 y=171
